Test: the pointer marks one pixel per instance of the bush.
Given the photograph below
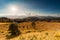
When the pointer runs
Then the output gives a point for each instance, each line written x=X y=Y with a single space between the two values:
x=13 y=28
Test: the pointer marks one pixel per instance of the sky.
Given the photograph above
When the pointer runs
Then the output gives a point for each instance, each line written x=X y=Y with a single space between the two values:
x=34 y=7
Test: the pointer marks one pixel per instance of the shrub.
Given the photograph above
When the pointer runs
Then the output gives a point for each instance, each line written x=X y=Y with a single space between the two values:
x=14 y=31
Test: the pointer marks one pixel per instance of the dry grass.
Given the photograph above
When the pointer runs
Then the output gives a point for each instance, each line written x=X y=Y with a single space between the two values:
x=44 y=35
x=38 y=31
x=39 y=25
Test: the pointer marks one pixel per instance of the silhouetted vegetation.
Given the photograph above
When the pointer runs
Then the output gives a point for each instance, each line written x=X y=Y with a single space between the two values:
x=33 y=25
x=14 y=31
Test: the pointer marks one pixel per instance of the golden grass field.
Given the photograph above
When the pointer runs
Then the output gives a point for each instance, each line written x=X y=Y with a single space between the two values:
x=38 y=31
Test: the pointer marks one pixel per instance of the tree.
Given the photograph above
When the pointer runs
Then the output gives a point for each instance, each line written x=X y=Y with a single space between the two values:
x=13 y=28
x=33 y=24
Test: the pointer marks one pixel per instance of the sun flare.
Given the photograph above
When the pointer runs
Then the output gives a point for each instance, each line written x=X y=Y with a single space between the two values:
x=13 y=8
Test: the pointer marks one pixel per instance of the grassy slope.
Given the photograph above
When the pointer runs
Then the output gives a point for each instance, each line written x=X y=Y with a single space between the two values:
x=40 y=28
x=44 y=35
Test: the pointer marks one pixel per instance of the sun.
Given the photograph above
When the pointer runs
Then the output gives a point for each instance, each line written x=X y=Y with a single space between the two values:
x=13 y=8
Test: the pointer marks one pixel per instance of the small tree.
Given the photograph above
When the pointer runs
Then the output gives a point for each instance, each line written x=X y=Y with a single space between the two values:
x=33 y=25
x=13 y=28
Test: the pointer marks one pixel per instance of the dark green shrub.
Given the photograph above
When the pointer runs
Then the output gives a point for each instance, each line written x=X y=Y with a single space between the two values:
x=13 y=28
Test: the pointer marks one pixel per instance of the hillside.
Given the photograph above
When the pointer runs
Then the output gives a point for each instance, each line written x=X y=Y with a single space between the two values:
x=14 y=29
x=32 y=18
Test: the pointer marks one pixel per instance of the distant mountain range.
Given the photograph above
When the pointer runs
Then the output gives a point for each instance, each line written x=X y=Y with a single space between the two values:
x=31 y=18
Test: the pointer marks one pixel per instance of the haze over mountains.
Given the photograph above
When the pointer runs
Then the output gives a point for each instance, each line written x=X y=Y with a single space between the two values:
x=24 y=15
x=30 y=18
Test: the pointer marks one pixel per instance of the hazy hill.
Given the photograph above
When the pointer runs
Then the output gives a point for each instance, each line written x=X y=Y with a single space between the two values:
x=32 y=18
